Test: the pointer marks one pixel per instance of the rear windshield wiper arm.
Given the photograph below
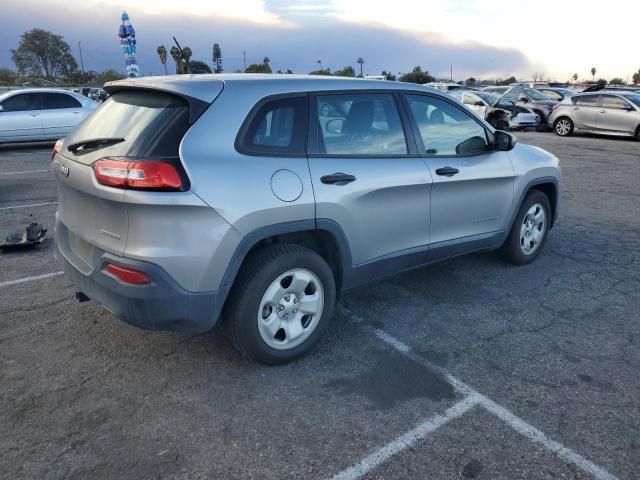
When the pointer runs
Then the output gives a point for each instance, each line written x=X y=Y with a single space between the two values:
x=93 y=144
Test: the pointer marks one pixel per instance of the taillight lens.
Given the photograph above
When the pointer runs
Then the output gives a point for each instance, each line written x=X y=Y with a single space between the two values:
x=136 y=174
x=128 y=275
x=56 y=148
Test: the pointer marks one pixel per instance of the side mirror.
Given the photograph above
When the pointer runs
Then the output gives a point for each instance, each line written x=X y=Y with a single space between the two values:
x=504 y=141
x=626 y=107
x=479 y=104
x=334 y=125
x=523 y=99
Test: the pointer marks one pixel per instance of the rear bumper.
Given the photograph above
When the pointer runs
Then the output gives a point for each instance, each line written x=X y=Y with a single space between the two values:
x=160 y=305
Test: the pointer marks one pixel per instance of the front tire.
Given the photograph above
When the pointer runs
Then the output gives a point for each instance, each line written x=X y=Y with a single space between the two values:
x=281 y=303
x=529 y=230
x=563 y=127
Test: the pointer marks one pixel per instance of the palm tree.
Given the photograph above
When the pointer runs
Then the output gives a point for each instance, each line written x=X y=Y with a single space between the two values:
x=319 y=62
x=575 y=77
x=186 y=54
x=593 y=73
x=162 y=53
x=266 y=60
x=361 y=63
x=175 y=54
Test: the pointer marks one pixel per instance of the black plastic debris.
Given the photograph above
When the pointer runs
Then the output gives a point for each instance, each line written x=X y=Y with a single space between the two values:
x=34 y=235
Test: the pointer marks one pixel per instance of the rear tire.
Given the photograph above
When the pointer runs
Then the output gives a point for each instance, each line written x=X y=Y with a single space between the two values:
x=281 y=303
x=529 y=230
x=563 y=126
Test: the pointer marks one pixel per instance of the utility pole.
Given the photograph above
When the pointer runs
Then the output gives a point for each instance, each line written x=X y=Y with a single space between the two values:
x=81 y=61
x=452 y=73
x=244 y=59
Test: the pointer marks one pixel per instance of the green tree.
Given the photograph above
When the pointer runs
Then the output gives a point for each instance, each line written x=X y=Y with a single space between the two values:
x=198 y=66
x=186 y=54
x=636 y=77
x=616 y=81
x=44 y=54
x=347 y=71
x=259 y=67
x=575 y=77
x=289 y=71
x=108 y=76
x=388 y=75
x=417 y=76
x=361 y=63
x=471 y=81
x=601 y=81
x=217 y=58
x=593 y=73
x=320 y=72
x=506 y=81
x=162 y=53
x=7 y=76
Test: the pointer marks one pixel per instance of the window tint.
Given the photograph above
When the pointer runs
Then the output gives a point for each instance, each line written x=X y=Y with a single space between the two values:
x=279 y=126
x=360 y=124
x=587 y=100
x=52 y=101
x=152 y=124
x=22 y=102
x=611 y=101
x=445 y=129
x=553 y=95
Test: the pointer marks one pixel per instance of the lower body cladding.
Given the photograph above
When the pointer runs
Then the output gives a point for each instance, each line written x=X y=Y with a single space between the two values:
x=158 y=304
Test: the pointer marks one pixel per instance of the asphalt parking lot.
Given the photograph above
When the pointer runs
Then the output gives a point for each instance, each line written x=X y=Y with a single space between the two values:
x=470 y=368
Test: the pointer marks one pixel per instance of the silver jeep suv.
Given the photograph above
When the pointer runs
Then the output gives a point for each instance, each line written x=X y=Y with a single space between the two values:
x=259 y=199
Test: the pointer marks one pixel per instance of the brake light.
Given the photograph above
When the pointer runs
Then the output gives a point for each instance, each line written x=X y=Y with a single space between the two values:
x=56 y=148
x=135 y=174
x=128 y=275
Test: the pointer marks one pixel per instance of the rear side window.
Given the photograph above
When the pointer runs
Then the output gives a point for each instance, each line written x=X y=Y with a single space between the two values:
x=446 y=129
x=151 y=123
x=277 y=127
x=611 y=101
x=22 y=102
x=587 y=100
x=359 y=124
x=52 y=101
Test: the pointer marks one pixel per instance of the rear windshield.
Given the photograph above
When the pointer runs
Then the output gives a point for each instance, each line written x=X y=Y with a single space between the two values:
x=151 y=123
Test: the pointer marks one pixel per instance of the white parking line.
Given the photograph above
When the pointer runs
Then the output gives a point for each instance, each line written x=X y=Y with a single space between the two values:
x=26 y=171
x=515 y=422
x=29 y=279
x=406 y=440
x=30 y=205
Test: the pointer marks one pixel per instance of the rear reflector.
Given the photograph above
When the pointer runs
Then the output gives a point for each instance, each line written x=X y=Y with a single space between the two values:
x=56 y=148
x=135 y=174
x=128 y=275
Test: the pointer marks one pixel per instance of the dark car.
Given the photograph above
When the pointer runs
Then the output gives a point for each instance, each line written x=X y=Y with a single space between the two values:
x=533 y=99
x=557 y=93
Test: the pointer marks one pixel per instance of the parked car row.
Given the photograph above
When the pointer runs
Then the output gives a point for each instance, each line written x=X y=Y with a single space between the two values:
x=41 y=114
x=604 y=112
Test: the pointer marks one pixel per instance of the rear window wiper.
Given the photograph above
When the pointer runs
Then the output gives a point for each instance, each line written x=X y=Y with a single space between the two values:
x=94 y=144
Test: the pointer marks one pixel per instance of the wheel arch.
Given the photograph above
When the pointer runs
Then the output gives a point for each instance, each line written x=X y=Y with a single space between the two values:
x=323 y=236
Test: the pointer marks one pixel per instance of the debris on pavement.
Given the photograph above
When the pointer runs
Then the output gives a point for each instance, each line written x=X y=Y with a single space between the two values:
x=34 y=235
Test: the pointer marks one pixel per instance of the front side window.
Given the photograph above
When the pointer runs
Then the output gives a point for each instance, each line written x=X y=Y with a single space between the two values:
x=611 y=101
x=22 y=102
x=587 y=100
x=278 y=127
x=359 y=124
x=535 y=95
x=54 y=101
x=472 y=100
x=445 y=129
x=553 y=95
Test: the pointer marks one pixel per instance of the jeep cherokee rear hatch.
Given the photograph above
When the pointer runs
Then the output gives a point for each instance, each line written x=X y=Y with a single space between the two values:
x=129 y=146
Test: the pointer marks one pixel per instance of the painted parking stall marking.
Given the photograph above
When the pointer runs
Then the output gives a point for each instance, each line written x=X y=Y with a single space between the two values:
x=30 y=205
x=471 y=398
x=29 y=279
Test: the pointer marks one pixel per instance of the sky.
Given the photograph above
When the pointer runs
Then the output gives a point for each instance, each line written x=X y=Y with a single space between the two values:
x=480 y=38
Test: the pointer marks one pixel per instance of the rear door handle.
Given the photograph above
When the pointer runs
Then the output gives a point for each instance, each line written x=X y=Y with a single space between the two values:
x=447 y=171
x=337 y=178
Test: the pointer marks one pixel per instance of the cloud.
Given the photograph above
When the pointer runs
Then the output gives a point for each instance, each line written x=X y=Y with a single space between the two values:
x=289 y=44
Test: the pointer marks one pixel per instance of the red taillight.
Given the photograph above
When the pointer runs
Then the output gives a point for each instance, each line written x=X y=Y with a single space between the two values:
x=135 y=174
x=56 y=148
x=128 y=275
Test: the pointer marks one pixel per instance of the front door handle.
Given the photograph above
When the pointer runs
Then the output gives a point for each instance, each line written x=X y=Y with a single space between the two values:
x=447 y=171
x=337 y=178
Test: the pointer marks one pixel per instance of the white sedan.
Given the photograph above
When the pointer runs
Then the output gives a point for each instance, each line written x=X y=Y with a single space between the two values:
x=41 y=114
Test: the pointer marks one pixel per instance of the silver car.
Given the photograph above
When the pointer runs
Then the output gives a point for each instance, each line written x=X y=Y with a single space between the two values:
x=41 y=114
x=183 y=197
x=610 y=113
x=499 y=115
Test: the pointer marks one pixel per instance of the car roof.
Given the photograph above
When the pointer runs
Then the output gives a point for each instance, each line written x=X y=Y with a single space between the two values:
x=10 y=93
x=207 y=86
